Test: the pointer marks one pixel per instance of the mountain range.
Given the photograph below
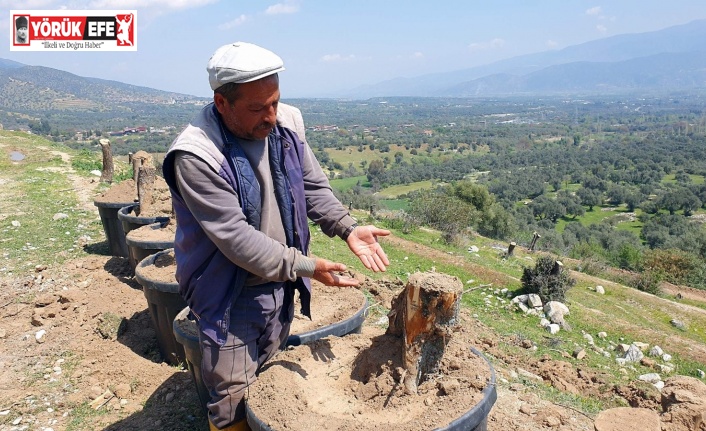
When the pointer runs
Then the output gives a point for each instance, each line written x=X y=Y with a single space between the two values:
x=668 y=60
x=672 y=59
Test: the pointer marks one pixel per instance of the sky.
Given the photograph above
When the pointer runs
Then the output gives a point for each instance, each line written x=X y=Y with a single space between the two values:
x=334 y=45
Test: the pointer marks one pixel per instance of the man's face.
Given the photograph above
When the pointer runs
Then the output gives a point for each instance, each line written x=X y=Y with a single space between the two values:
x=22 y=33
x=253 y=114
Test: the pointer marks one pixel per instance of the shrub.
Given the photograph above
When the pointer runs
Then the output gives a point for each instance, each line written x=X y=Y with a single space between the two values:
x=547 y=280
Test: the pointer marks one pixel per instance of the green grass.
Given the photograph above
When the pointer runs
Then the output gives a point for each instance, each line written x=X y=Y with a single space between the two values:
x=344 y=184
x=671 y=179
x=36 y=196
x=395 y=204
x=395 y=191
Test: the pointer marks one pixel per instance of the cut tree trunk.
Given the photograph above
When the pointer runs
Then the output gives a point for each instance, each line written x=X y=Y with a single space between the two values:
x=108 y=167
x=425 y=314
x=139 y=159
x=145 y=188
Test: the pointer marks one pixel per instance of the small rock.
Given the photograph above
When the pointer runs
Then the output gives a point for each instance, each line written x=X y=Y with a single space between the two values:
x=534 y=301
x=641 y=346
x=15 y=223
x=526 y=409
x=579 y=354
x=170 y=397
x=526 y=344
x=588 y=338
x=59 y=216
x=473 y=249
x=602 y=335
x=656 y=351
x=528 y=375
x=96 y=173
x=123 y=390
x=39 y=336
x=553 y=328
x=647 y=362
x=666 y=357
x=600 y=290
x=700 y=373
x=552 y=421
x=449 y=387
x=659 y=385
x=634 y=354
x=39 y=268
x=678 y=324
x=650 y=378
x=544 y=323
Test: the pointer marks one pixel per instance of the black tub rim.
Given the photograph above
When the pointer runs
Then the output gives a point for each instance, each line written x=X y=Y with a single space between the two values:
x=474 y=419
x=124 y=214
x=337 y=329
x=148 y=283
x=150 y=244
x=117 y=205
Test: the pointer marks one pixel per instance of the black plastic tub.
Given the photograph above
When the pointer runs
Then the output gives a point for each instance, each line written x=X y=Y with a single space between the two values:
x=138 y=249
x=131 y=221
x=164 y=303
x=475 y=419
x=113 y=227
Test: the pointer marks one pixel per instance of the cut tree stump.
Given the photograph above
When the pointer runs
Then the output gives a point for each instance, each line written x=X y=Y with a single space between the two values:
x=139 y=159
x=425 y=314
x=145 y=188
x=108 y=167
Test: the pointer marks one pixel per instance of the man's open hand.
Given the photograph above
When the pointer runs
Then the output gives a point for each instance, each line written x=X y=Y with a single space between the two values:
x=326 y=273
x=363 y=241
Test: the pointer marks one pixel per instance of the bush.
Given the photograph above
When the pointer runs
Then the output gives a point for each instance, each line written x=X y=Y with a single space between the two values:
x=648 y=281
x=549 y=283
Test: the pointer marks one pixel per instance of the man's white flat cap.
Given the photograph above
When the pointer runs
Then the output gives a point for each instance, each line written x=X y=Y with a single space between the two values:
x=241 y=62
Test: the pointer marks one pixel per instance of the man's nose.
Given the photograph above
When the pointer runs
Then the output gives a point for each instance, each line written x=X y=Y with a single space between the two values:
x=271 y=115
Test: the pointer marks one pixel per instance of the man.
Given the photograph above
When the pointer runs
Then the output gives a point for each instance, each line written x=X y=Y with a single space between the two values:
x=243 y=185
x=21 y=30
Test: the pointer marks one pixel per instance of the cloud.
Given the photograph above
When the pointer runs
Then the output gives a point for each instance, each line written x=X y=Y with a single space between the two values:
x=493 y=44
x=417 y=55
x=596 y=10
x=552 y=44
x=234 y=23
x=601 y=28
x=336 y=58
x=282 y=8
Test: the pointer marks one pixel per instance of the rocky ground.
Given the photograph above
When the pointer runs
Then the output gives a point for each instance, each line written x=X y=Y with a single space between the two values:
x=78 y=352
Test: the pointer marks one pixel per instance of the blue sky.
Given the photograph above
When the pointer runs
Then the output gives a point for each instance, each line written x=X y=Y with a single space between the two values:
x=330 y=45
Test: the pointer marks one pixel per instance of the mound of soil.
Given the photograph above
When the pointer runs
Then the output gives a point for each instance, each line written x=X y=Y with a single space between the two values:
x=354 y=383
x=153 y=233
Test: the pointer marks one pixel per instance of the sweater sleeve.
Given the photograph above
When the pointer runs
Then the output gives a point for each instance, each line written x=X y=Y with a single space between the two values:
x=322 y=207
x=216 y=207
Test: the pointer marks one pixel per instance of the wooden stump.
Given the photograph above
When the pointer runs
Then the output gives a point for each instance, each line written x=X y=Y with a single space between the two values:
x=425 y=315
x=108 y=167
x=145 y=188
x=511 y=248
x=139 y=159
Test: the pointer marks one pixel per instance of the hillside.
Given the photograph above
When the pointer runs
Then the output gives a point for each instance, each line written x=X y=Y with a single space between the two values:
x=640 y=58
x=62 y=295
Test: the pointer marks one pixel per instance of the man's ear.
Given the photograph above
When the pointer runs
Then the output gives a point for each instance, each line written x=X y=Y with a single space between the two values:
x=220 y=102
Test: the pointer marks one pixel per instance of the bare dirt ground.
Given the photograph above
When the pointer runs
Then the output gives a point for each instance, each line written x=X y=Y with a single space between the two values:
x=78 y=352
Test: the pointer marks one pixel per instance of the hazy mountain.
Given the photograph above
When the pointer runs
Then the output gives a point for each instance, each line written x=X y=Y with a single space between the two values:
x=29 y=88
x=623 y=62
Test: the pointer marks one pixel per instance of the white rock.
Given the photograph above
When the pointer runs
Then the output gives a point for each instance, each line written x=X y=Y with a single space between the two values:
x=520 y=299
x=650 y=378
x=666 y=357
x=656 y=351
x=59 y=216
x=39 y=336
x=544 y=323
x=588 y=338
x=553 y=328
x=602 y=335
x=620 y=361
x=659 y=385
x=96 y=172
x=641 y=346
x=701 y=373
x=15 y=223
x=473 y=249
x=665 y=369
x=634 y=354
x=600 y=290
x=534 y=301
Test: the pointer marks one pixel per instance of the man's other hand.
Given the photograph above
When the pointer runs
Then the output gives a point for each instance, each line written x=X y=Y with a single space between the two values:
x=363 y=241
